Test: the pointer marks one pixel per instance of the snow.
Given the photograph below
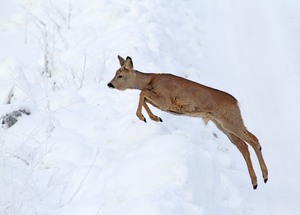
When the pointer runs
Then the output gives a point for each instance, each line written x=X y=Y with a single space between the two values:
x=82 y=150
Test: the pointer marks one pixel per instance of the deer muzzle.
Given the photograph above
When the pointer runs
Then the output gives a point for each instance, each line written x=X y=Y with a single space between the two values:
x=110 y=85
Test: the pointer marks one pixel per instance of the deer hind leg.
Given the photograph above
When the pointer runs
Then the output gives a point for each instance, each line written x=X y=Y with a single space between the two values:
x=144 y=96
x=253 y=141
x=238 y=129
x=243 y=148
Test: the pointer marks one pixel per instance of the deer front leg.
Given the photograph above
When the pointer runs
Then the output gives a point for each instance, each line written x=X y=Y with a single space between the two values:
x=147 y=94
x=150 y=114
x=139 y=108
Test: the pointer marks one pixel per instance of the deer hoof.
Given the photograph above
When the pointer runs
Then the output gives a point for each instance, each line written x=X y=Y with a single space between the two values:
x=155 y=118
x=254 y=187
x=145 y=120
x=266 y=179
x=141 y=117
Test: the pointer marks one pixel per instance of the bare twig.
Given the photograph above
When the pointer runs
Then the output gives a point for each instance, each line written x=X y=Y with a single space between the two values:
x=83 y=71
x=69 y=16
x=9 y=154
x=10 y=95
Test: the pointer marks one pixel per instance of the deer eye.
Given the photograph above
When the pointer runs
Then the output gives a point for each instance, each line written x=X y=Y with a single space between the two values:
x=120 y=76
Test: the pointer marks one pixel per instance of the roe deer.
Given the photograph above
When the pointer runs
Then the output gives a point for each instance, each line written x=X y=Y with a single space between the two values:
x=180 y=96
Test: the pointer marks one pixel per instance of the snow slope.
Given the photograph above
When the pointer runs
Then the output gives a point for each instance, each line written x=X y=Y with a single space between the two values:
x=82 y=150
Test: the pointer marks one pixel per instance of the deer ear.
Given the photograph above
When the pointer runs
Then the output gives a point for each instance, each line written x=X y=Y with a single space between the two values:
x=121 y=60
x=128 y=64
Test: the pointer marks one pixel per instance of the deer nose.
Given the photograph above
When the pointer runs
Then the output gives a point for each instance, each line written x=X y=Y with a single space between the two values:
x=110 y=85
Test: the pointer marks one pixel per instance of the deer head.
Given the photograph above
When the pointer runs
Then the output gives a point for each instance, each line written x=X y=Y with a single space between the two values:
x=125 y=77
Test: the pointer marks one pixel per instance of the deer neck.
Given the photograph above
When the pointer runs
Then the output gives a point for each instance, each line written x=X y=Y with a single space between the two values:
x=142 y=80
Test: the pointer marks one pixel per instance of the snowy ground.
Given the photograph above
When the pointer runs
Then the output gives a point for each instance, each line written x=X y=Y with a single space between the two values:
x=82 y=150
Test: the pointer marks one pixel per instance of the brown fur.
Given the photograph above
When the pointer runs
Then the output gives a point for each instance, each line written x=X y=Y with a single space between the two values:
x=180 y=96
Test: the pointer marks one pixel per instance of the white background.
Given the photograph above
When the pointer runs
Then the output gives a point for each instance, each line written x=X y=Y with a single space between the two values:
x=83 y=151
